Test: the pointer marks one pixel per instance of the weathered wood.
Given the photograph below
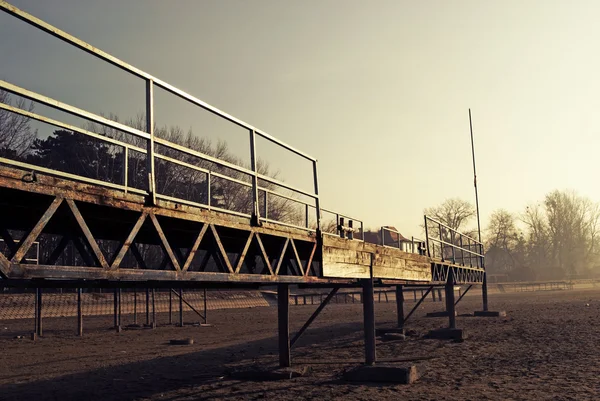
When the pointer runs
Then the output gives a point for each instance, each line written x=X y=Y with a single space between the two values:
x=87 y=234
x=221 y=249
x=4 y=266
x=128 y=241
x=194 y=248
x=165 y=244
x=35 y=232
x=264 y=254
x=242 y=256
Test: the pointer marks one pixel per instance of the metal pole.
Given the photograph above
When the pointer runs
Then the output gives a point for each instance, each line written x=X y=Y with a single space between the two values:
x=400 y=304
x=150 y=146
x=317 y=201
x=115 y=309
x=134 y=306
x=283 y=320
x=79 y=314
x=450 y=305
x=484 y=285
x=119 y=307
x=256 y=208
x=369 y=321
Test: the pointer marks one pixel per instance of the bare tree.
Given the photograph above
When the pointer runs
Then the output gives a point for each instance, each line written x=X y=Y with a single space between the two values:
x=502 y=242
x=455 y=213
x=16 y=135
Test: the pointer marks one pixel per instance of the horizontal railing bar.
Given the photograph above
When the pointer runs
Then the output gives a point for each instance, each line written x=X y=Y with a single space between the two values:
x=69 y=127
x=455 y=246
x=72 y=176
x=286 y=186
x=17 y=90
x=275 y=193
x=226 y=177
x=341 y=215
x=181 y=163
x=62 y=35
x=451 y=229
x=201 y=205
x=287 y=224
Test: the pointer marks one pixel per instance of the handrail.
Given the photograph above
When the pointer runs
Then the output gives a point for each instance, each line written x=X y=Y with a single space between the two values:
x=478 y=255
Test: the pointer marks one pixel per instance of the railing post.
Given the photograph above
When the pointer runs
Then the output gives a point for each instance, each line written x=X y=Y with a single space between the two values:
x=126 y=167
x=382 y=233
x=306 y=214
x=427 y=238
x=441 y=241
x=351 y=231
x=341 y=227
x=453 y=249
x=255 y=206
x=150 y=148
x=317 y=200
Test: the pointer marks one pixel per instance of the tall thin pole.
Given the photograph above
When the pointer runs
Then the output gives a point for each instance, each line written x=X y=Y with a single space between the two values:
x=480 y=250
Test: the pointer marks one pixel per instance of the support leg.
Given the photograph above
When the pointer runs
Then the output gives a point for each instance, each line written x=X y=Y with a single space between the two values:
x=205 y=308
x=283 y=312
x=170 y=306
x=369 y=321
x=79 y=314
x=147 y=307
x=134 y=306
x=153 y=309
x=484 y=293
x=120 y=311
x=400 y=305
x=450 y=306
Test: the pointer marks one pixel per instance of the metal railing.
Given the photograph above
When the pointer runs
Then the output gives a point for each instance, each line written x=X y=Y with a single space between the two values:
x=414 y=245
x=345 y=226
x=452 y=246
x=151 y=144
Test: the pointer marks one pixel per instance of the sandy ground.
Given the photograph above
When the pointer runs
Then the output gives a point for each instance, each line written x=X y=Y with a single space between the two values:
x=547 y=348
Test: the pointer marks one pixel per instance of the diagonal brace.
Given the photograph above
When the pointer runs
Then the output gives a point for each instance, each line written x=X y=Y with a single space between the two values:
x=463 y=294
x=418 y=304
x=314 y=315
x=87 y=233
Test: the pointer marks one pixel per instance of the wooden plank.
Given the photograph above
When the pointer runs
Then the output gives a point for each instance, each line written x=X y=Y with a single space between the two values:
x=35 y=232
x=194 y=248
x=221 y=249
x=167 y=248
x=297 y=257
x=264 y=254
x=345 y=270
x=87 y=234
x=129 y=240
x=282 y=255
x=242 y=256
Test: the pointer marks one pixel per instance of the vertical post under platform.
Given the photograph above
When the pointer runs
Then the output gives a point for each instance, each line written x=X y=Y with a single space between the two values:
x=283 y=320
x=153 y=309
x=450 y=306
x=38 y=312
x=170 y=306
x=484 y=292
x=400 y=305
x=147 y=307
x=79 y=314
x=205 y=308
x=134 y=306
x=369 y=321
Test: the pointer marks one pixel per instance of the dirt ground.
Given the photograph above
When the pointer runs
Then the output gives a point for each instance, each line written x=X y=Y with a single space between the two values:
x=547 y=348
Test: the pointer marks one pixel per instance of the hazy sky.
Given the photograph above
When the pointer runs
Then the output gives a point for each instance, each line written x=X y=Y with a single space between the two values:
x=378 y=91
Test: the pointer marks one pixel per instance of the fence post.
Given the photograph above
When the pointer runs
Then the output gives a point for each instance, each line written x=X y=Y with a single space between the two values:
x=150 y=146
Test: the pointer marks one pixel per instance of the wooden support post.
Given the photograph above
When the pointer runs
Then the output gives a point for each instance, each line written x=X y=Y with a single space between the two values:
x=484 y=292
x=433 y=295
x=79 y=314
x=400 y=304
x=450 y=307
x=180 y=307
x=147 y=307
x=153 y=310
x=283 y=315
x=369 y=321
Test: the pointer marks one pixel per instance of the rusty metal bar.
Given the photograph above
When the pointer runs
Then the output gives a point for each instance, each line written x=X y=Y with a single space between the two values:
x=283 y=324
x=418 y=304
x=181 y=299
x=463 y=294
x=88 y=234
x=314 y=315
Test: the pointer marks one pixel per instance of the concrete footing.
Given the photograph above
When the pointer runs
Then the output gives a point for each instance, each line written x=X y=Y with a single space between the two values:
x=382 y=374
x=447 y=334
x=439 y=314
x=488 y=313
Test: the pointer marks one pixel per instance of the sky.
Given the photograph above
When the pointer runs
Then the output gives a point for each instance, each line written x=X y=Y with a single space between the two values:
x=377 y=91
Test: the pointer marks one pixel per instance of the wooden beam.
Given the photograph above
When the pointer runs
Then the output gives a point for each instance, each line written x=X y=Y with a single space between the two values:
x=88 y=234
x=35 y=232
x=221 y=249
x=282 y=255
x=194 y=248
x=242 y=256
x=129 y=240
x=165 y=243
x=297 y=257
x=264 y=254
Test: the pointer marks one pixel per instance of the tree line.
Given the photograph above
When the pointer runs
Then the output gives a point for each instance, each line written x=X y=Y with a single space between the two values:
x=556 y=238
